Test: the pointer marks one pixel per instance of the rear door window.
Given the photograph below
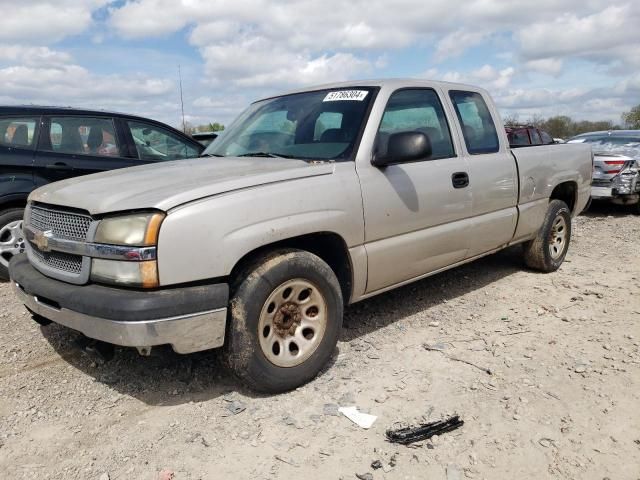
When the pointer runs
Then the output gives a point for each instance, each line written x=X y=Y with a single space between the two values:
x=82 y=136
x=18 y=132
x=156 y=144
x=478 y=129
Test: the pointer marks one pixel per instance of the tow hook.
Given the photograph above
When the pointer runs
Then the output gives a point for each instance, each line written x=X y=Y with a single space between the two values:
x=99 y=352
x=144 y=351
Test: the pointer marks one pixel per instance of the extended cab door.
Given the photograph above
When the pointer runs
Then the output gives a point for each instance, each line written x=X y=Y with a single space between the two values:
x=492 y=172
x=415 y=213
x=71 y=145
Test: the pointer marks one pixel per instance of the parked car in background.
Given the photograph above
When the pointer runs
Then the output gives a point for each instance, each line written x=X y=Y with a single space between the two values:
x=39 y=145
x=310 y=201
x=205 y=138
x=616 y=165
x=526 y=135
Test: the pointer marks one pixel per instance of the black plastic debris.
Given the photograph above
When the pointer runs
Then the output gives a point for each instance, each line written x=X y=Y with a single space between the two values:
x=407 y=435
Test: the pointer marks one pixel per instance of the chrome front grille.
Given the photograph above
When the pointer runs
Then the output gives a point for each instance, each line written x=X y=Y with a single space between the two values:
x=63 y=224
x=60 y=261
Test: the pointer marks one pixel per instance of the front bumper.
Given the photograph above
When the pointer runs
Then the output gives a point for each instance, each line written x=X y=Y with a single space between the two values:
x=190 y=319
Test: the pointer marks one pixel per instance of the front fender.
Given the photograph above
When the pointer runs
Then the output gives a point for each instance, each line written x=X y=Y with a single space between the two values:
x=205 y=239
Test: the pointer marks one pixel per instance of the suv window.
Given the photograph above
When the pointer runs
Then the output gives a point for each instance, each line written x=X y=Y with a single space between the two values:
x=417 y=110
x=82 y=135
x=546 y=138
x=518 y=137
x=535 y=137
x=17 y=132
x=477 y=125
x=156 y=144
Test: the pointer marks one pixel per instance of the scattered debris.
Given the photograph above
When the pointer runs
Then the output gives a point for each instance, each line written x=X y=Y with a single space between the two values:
x=236 y=407
x=166 y=474
x=286 y=460
x=105 y=476
x=376 y=464
x=456 y=359
x=546 y=442
x=407 y=435
x=363 y=420
x=364 y=476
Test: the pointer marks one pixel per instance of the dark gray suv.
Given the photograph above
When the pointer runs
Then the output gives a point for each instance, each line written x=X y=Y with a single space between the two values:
x=40 y=145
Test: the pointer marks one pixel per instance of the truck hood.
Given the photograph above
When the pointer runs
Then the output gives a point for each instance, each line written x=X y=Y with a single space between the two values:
x=167 y=185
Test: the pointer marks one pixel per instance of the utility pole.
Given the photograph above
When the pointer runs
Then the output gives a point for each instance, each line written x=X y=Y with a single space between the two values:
x=184 y=125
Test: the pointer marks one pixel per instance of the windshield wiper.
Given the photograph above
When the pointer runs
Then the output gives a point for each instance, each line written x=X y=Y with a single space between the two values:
x=211 y=155
x=265 y=154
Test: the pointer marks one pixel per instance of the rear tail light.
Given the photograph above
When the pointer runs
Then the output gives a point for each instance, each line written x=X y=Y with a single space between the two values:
x=615 y=164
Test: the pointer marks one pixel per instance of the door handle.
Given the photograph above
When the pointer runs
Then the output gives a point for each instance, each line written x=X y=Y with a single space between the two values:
x=59 y=166
x=460 y=179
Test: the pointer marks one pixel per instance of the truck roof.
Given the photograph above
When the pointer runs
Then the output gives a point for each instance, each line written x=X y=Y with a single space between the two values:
x=392 y=83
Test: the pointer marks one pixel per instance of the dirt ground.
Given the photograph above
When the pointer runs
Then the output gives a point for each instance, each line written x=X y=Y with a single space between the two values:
x=562 y=399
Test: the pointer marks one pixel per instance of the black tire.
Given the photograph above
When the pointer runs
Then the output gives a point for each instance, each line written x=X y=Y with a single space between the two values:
x=252 y=289
x=538 y=252
x=6 y=217
x=635 y=208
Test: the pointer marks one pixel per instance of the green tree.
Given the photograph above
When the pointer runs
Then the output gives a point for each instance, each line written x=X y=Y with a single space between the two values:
x=216 y=127
x=632 y=118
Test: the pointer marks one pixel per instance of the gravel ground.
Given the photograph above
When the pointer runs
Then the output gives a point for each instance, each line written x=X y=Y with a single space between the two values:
x=561 y=400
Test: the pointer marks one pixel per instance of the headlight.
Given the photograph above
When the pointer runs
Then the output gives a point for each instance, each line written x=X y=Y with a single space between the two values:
x=132 y=274
x=135 y=230
x=139 y=229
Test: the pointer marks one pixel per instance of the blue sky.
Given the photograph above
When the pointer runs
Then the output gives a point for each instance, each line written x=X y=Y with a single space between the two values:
x=579 y=58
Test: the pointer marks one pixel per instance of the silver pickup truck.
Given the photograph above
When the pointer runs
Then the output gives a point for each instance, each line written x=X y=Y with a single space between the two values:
x=308 y=202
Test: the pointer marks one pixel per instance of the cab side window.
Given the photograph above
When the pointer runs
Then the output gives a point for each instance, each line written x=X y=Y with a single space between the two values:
x=82 y=136
x=17 y=132
x=156 y=144
x=416 y=110
x=478 y=128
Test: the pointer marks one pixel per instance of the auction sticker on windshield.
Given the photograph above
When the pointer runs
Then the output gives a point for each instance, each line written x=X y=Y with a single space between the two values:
x=341 y=95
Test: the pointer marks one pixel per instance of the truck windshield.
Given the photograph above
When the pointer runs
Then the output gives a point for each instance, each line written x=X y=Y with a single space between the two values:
x=318 y=125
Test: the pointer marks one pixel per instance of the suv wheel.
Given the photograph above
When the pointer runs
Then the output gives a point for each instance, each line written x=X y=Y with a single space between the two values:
x=546 y=252
x=12 y=240
x=285 y=318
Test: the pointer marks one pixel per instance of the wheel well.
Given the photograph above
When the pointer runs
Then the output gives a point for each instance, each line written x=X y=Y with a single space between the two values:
x=13 y=204
x=567 y=193
x=329 y=246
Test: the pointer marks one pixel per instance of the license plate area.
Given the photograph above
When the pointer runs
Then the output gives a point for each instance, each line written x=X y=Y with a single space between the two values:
x=597 y=192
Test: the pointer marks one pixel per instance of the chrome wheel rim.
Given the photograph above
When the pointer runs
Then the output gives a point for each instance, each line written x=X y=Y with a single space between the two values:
x=11 y=241
x=292 y=323
x=558 y=237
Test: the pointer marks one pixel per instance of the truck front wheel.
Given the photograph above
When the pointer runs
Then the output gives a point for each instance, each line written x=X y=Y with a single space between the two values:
x=284 y=321
x=546 y=252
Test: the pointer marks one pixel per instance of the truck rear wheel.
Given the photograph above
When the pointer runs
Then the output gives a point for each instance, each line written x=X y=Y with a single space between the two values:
x=547 y=251
x=284 y=322
x=11 y=238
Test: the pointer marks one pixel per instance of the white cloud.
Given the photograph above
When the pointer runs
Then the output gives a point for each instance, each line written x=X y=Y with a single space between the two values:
x=588 y=35
x=43 y=21
x=456 y=43
x=550 y=66
x=33 y=56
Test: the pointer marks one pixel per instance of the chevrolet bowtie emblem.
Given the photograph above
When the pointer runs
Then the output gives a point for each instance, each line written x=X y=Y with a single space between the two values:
x=41 y=240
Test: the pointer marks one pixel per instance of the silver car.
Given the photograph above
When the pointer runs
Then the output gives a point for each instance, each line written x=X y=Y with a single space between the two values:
x=616 y=165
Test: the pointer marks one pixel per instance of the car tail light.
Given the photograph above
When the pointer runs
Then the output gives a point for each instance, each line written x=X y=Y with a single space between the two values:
x=615 y=164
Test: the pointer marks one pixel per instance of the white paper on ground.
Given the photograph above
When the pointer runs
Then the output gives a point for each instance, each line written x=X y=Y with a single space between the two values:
x=363 y=420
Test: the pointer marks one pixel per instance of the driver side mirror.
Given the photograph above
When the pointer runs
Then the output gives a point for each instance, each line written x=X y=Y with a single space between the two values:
x=403 y=147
